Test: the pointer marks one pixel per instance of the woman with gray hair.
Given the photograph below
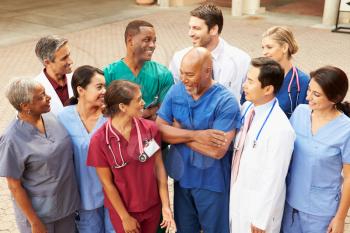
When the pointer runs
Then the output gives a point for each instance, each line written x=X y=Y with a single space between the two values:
x=36 y=158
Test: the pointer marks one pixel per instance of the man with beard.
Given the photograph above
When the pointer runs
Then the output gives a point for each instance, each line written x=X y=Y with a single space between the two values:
x=230 y=64
x=137 y=67
x=54 y=53
x=199 y=117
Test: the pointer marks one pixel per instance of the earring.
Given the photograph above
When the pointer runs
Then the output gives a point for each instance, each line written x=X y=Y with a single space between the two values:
x=28 y=112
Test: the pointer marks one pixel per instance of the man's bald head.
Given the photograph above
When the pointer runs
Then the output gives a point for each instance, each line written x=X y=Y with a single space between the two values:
x=196 y=71
x=198 y=56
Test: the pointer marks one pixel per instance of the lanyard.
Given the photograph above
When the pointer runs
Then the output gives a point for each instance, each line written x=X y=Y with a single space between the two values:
x=109 y=129
x=294 y=74
x=262 y=126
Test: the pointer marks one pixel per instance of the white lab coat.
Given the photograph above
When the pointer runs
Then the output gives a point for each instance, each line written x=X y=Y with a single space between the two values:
x=56 y=104
x=258 y=195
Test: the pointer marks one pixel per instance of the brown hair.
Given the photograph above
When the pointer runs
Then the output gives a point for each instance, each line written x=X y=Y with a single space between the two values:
x=118 y=92
x=283 y=35
x=334 y=84
x=211 y=14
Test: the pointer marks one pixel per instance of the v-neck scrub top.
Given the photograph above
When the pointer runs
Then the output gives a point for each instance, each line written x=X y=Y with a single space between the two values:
x=136 y=182
x=217 y=109
x=43 y=164
x=315 y=180
x=154 y=79
x=90 y=188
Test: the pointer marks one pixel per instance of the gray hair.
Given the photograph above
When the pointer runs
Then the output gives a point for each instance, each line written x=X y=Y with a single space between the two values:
x=21 y=91
x=47 y=47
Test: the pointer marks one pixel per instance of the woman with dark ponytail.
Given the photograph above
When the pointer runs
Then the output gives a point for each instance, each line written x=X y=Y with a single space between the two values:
x=81 y=119
x=318 y=185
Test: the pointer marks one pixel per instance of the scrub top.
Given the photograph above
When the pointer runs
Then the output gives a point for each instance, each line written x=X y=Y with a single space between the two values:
x=153 y=78
x=90 y=188
x=44 y=165
x=283 y=97
x=136 y=182
x=315 y=177
x=218 y=109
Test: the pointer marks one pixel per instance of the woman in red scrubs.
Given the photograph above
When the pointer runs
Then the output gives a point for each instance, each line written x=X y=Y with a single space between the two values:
x=128 y=161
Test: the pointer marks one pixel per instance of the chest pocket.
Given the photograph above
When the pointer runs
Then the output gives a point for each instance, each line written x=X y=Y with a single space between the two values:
x=180 y=112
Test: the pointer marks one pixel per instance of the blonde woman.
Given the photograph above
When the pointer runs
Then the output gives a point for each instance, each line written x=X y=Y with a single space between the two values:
x=279 y=44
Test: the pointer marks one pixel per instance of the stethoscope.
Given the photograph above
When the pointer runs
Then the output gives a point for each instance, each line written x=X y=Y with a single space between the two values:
x=142 y=156
x=296 y=75
x=262 y=126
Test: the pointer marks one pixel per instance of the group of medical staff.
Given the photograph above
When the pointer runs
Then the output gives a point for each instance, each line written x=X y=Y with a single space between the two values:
x=118 y=182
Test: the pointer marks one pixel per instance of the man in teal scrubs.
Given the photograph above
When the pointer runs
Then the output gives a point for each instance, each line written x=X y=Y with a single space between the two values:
x=153 y=78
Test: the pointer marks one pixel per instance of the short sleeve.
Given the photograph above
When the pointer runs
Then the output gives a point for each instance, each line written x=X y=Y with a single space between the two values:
x=155 y=133
x=11 y=164
x=166 y=82
x=96 y=154
x=228 y=116
x=107 y=74
x=165 y=110
x=294 y=118
x=346 y=151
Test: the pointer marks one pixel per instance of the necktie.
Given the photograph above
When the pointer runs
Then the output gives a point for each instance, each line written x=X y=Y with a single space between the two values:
x=238 y=153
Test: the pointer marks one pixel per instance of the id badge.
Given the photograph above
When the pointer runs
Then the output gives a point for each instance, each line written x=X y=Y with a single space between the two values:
x=151 y=148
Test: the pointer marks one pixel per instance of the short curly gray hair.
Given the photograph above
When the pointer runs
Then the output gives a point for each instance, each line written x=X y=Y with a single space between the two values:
x=47 y=47
x=21 y=91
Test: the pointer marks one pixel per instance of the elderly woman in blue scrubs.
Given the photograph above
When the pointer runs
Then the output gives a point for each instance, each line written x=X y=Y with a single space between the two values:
x=81 y=119
x=318 y=186
x=279 y=44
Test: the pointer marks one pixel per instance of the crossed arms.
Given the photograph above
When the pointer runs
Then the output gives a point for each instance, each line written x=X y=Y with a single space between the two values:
x=210 y=142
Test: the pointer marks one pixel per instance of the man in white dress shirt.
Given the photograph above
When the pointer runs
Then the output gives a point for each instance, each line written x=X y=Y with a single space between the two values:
x=230 y=64
x=262 y=155
x=54 y=53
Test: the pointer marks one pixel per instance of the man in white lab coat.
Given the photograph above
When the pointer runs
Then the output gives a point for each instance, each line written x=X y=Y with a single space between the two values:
x=263 y=150
x=54 y=53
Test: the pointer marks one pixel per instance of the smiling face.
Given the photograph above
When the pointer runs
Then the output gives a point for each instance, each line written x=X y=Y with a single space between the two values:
x=199 y=32
x=136 y=105
x=195 y=75
x=272 y=49
x=143 y=43
x=40 y=102
x=94 y=92
x=62 y=63
x=317 y=98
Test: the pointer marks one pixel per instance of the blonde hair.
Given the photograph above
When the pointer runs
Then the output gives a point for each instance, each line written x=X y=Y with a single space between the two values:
x=283 y=35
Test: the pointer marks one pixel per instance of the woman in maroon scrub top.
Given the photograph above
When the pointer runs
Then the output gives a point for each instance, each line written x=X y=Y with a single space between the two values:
x=127 y=157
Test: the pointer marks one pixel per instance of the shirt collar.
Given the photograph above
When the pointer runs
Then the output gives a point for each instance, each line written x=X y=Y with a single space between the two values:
x=218 y=49
x=53 y=82
x=262 y=109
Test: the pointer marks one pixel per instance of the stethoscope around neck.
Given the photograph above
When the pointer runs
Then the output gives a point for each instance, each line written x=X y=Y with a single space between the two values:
x=296 y=75
x=109 y=129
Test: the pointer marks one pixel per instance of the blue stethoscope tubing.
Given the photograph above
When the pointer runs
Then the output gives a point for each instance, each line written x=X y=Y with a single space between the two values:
x=296 y=75
x=262 y=126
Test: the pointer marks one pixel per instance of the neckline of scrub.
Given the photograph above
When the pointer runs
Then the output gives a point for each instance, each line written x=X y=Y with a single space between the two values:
x=82 y=126
x=325 y=126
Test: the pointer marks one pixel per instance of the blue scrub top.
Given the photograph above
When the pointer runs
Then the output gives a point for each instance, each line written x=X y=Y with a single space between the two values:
x=218 y=109
x=90 y=188
x=283 y=97
x=315 y=176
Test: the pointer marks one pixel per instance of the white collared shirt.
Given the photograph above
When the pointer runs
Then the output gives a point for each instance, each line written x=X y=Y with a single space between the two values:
x=230 y=66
